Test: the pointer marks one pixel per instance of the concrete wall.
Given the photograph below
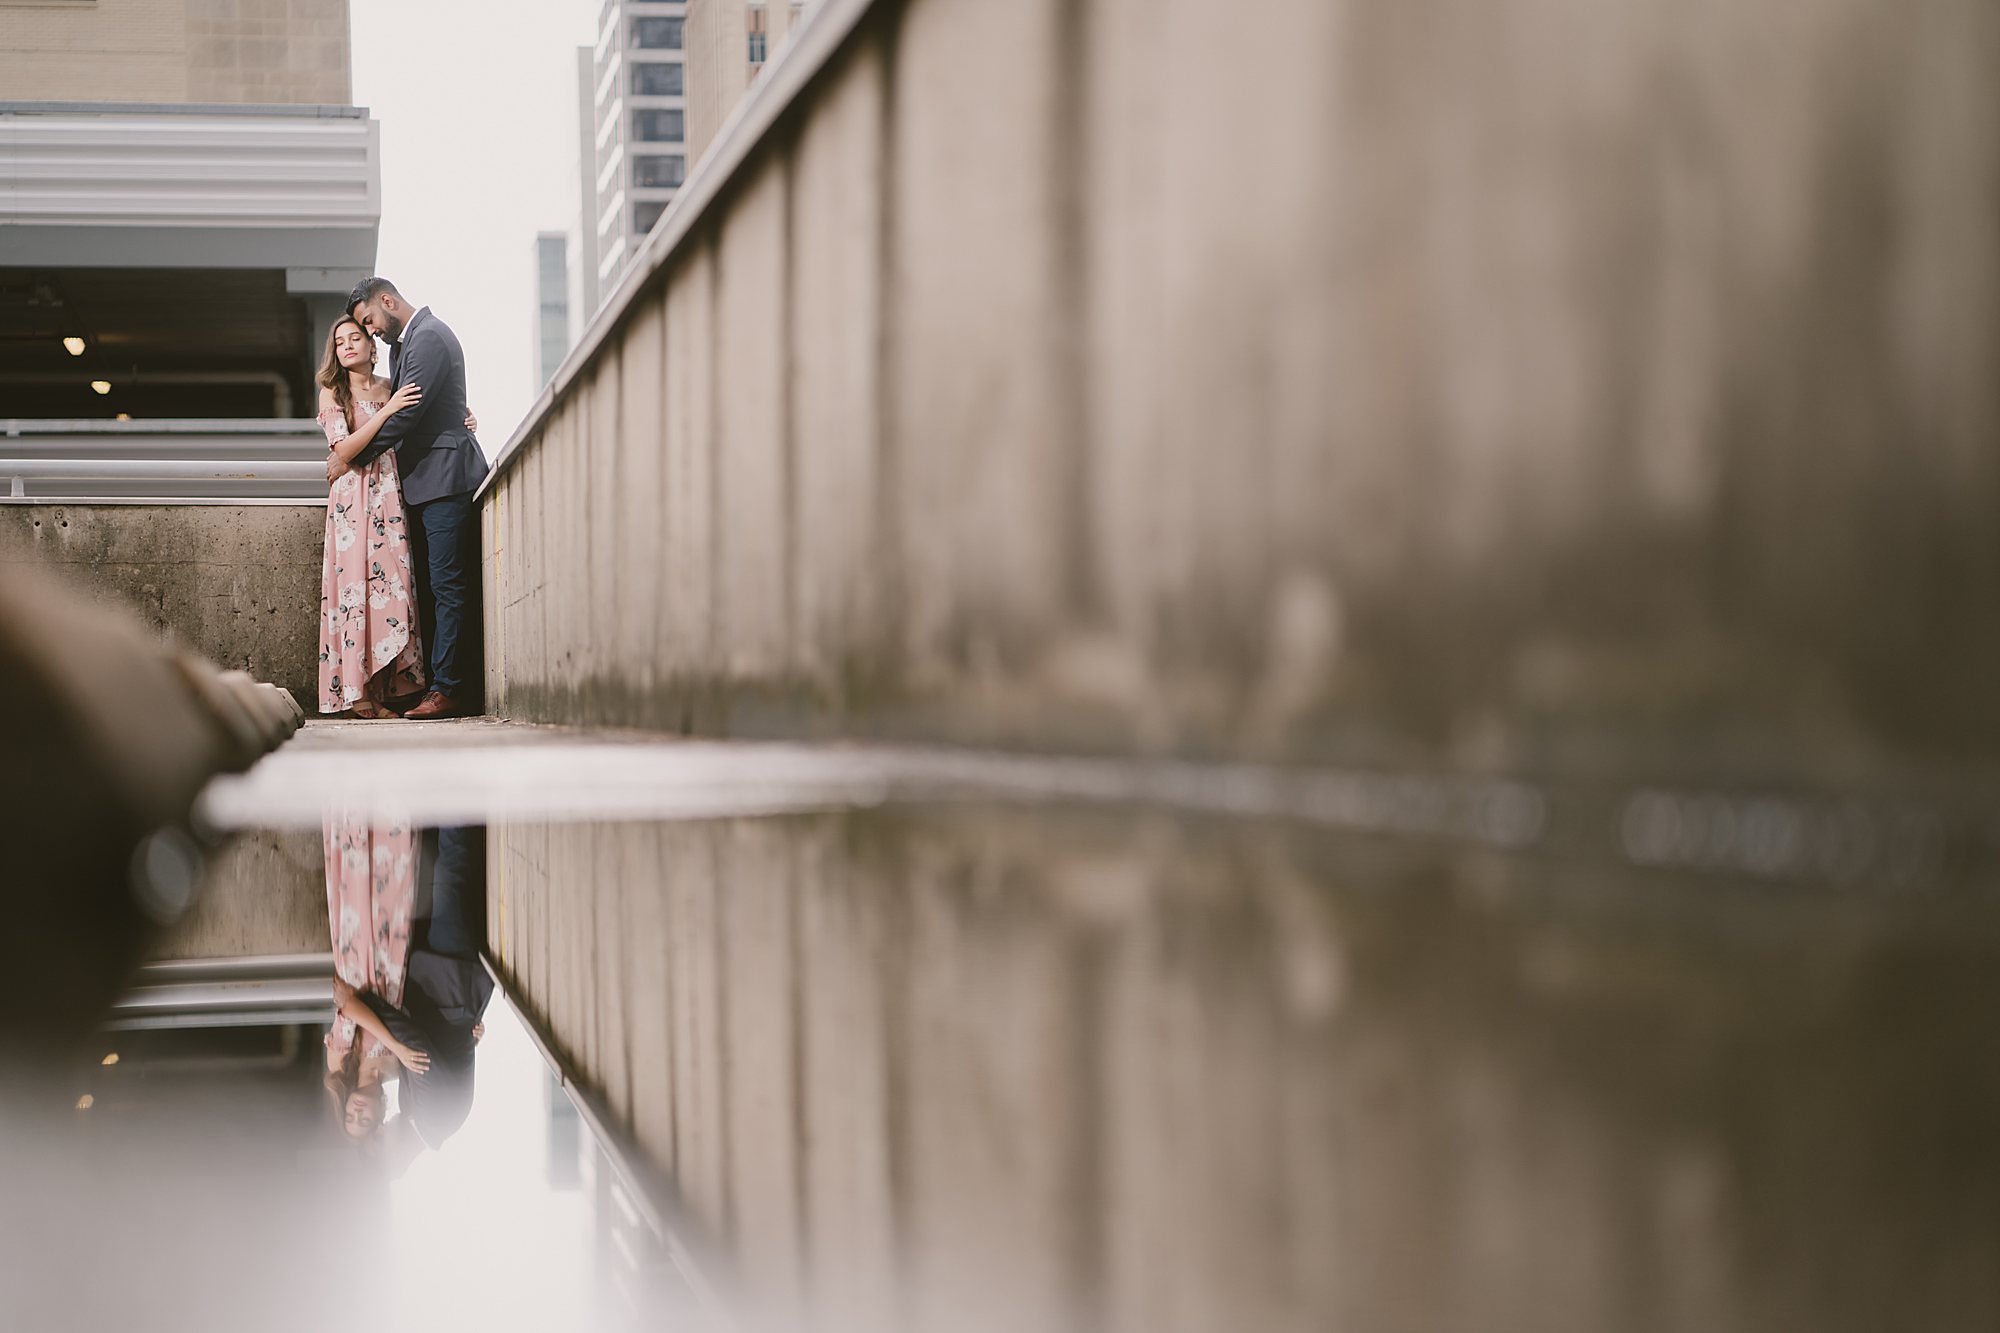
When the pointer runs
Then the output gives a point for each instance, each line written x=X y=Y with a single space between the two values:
x=239 y=584
x=265 y=894
x=176 y=51
x=981 y=1071
x=1438 y=383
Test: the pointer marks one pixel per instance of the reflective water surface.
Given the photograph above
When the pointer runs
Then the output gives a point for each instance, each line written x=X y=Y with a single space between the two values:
x=990 y=1067
x=232 y=1155
x=200 y=1182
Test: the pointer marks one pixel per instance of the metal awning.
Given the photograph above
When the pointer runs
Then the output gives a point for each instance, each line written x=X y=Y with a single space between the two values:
x=149 y=462
x=115 y=185
x=228 y=992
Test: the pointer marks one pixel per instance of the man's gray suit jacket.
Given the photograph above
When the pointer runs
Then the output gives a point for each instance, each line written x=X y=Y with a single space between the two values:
x=436 y=455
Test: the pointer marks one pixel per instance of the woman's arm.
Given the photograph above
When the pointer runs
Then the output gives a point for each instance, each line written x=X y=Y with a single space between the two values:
x=425 y=359
x=407 y=396
x=356 y=1008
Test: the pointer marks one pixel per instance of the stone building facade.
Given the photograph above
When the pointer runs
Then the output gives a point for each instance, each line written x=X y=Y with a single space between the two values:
x=263 y=51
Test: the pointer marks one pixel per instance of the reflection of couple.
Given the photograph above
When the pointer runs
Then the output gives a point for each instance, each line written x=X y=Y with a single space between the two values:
x=410 y=991
x=401 y=529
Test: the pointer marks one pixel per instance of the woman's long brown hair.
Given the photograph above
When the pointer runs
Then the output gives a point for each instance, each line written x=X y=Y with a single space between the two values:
x=344 y=1082
x=334 y=375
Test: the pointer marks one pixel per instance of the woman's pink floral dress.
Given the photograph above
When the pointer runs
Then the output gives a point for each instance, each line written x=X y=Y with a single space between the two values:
x=371 y=893
x=367 y=597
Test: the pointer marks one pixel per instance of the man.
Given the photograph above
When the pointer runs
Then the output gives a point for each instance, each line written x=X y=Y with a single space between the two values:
x=441 y=466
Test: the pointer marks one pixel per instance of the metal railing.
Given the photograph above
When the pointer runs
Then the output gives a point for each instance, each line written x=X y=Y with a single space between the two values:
x=228 y=992
x=256 y=461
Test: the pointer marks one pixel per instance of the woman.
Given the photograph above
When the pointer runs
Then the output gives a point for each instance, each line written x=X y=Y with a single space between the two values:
x=354 y=1080
x=369 y=650
x=371 y=890
x=371 y=894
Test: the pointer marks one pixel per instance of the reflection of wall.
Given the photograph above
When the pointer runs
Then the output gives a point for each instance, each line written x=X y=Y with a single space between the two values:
x=265 y=894
x=177 y=51
x=237 y=583
x=1000 y=1071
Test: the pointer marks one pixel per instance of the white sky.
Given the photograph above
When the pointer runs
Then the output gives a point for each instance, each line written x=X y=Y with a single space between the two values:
x=482 y=1206
x=477 y=103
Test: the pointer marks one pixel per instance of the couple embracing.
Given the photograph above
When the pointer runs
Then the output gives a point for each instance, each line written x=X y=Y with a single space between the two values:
x=401 y=570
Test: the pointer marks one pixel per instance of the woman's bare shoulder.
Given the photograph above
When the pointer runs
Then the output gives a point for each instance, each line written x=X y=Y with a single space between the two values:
x=326 y=398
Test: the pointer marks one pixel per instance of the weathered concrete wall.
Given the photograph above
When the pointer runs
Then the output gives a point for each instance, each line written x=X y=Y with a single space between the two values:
x=265 y=893
x=239 y=584
x=1435 y=383
x=1006 y=1071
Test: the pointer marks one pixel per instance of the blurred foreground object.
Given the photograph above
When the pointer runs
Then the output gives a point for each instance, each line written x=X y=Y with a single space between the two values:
x=112 y=733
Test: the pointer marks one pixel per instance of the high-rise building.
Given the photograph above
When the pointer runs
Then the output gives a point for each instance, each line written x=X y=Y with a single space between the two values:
x=551 y=304
x=656 y=90
x=639 y=148
x=185 y=200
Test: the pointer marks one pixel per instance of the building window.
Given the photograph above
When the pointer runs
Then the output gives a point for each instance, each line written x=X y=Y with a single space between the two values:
x=664 y=171
x=757 y=48
x=645 y=215
x=659 y=79
x=657 y=34
x=659 y=126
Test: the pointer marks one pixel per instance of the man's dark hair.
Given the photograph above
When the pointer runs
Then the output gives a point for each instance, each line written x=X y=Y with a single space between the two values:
x=368 y=289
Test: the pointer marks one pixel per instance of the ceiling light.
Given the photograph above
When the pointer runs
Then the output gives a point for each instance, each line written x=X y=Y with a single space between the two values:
x=124 y=416
x=75 y=346
x=110 y=1059
x=101 y=386
x=85 y=1102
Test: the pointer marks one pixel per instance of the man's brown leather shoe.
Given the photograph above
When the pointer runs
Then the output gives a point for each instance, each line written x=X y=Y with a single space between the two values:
x=435 y=707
